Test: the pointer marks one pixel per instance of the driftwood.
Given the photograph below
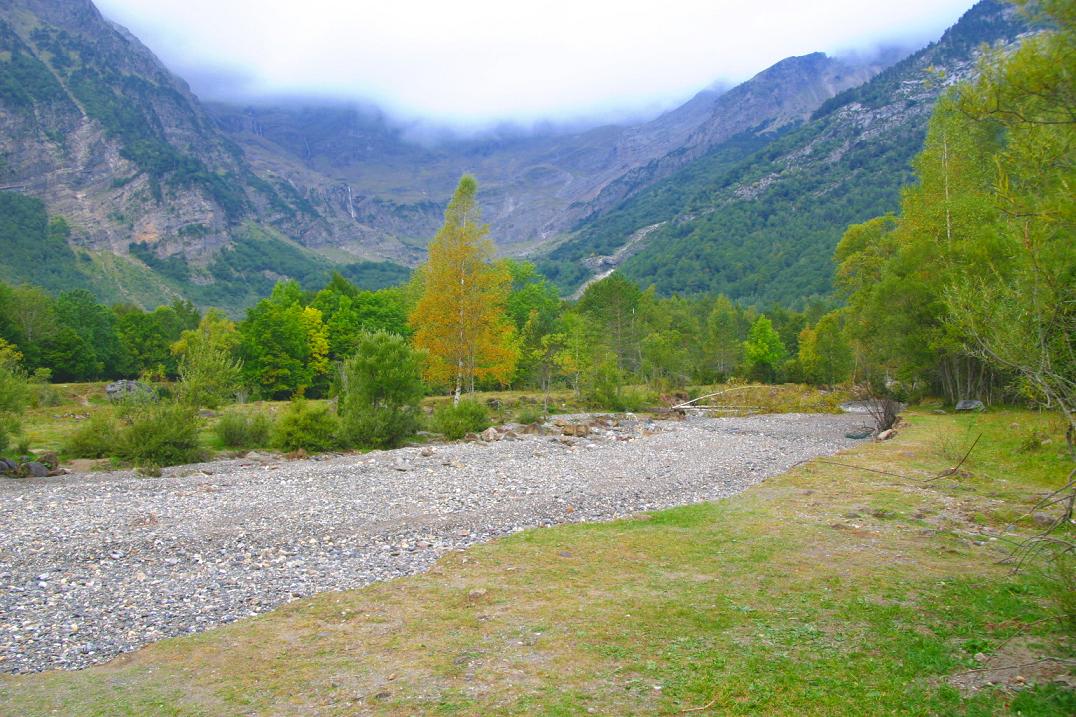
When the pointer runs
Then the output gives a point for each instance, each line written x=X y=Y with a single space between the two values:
x=689 y=404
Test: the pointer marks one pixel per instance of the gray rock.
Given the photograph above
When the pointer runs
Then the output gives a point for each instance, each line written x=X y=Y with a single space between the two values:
x=37 y=470
x=970 y=405
x=123 y=389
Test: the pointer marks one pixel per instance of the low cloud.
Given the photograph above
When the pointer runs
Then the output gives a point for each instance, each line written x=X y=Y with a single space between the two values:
x=486 y=62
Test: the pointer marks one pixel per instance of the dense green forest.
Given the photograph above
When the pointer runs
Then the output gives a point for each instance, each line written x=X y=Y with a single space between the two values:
x=36 y=249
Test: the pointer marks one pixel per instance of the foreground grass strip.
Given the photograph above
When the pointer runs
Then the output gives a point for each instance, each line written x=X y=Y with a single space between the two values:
x=822 y=591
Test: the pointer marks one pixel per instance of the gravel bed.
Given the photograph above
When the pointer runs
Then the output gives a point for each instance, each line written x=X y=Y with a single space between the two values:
x=95 y=565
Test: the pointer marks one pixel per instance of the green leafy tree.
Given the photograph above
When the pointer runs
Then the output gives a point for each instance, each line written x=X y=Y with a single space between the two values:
x=825 y=355
x=208 y=375
x=348 y=312
x=14 y=392
x=283 y=345
x=666 y=359
x=1021 y=317
x=379 y=392
x=613 y=304
x=147 y=337
x=33 y=317
x=726 y=329
x=69 y=356
x=95 y=324
x=763 y=351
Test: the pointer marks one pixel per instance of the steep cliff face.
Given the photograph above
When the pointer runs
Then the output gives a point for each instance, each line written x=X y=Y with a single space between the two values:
x=94 y=125
x=758 y=216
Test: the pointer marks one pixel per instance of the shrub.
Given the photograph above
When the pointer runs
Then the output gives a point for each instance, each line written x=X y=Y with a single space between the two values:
x=163 y=434
x=208 y=375
x=14 y=394
x=96 y=438
x=608 y=392
x=457 y=421
x=306 y=426
x=236 y=429
x=380 y=389
x=530 y=414
x=42 y=393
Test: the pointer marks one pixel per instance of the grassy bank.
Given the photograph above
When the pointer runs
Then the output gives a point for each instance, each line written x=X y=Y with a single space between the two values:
x=823 y=591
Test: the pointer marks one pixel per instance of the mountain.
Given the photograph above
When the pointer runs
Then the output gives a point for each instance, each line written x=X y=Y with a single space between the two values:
x=152 y=195
x=114 y=176
x=758 y=215
x=373 y=181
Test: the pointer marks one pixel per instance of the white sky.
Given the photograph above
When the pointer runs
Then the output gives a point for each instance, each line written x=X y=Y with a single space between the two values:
x=480 y=61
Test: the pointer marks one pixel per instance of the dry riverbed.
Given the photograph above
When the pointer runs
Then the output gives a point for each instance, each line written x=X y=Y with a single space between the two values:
x=95 y=565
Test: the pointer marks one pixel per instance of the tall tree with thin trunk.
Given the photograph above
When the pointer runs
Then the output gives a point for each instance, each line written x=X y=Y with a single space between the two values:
x=460 y=318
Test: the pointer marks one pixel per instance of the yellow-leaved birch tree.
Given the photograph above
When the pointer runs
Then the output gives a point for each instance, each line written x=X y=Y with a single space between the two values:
x=460 y=318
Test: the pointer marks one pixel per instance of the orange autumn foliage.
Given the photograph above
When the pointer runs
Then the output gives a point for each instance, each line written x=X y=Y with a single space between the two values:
x=460 y=318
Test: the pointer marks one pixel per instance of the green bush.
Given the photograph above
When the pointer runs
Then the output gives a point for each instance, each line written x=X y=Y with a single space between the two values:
x=307 y=427
x=457 y=421
x=236 y=429
x=609 y=393
x=42 y=393
x=96 y=438
x=161 y=434
x=380 y=389
x=530 y=414
x=14 y=395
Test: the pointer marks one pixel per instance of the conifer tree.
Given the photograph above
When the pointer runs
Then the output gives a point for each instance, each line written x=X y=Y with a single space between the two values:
x=460 y=318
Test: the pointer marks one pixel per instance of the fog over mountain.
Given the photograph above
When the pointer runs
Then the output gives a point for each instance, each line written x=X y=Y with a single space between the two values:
x=570 y=62
x=312 y=143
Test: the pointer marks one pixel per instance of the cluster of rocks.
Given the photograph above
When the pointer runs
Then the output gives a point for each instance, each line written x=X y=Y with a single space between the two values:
x=94 y=565
x=124 y=389
x=44 y=466
x=620 y=427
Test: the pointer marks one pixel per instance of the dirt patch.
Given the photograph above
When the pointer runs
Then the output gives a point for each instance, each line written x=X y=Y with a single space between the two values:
x=1022 y=663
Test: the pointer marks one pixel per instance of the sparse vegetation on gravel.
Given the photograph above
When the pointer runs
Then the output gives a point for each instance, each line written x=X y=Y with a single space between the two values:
x=823 y=591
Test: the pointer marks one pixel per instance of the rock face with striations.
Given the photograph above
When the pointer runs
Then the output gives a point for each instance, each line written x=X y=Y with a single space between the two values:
x=93 y=124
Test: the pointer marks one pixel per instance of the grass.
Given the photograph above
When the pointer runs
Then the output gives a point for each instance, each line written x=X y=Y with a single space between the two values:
x=823 y=591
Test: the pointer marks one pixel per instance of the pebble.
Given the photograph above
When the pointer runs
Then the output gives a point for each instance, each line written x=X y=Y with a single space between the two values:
x=86 y=577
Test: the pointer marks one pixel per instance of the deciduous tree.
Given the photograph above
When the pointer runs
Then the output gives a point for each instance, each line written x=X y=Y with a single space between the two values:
x=460 y=318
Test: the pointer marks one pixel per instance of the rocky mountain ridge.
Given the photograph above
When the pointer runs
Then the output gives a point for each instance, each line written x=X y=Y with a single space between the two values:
x=367 y=178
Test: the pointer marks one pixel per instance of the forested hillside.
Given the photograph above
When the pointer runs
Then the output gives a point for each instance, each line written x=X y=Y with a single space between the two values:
x=760 y=223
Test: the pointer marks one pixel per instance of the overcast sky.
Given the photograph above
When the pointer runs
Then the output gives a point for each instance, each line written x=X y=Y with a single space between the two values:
x=481 y=61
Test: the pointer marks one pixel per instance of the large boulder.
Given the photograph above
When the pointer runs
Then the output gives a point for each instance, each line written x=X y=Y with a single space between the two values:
x=35 y=469
x=967 y=405
x=123 y=389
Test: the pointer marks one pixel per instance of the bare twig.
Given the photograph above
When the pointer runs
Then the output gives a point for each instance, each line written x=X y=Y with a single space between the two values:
x=688 y=404
x=956 y=469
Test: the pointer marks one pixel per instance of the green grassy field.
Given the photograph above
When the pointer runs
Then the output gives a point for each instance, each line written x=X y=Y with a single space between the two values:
x=824 y=591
